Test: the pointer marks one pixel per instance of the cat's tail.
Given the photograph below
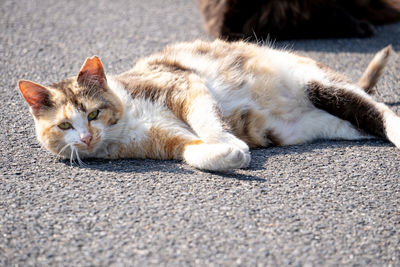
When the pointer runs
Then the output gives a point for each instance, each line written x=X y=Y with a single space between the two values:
x=374 y=70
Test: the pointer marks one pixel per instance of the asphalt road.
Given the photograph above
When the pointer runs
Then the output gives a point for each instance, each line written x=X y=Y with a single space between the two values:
x=326 y=203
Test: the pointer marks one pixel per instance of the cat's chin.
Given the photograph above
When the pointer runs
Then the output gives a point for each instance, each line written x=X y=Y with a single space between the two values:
x=83 y=152
x=88 y=152
x=88 y=149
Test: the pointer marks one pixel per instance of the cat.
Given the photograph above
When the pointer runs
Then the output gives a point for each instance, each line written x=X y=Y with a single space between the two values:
x=292 y=19
x=207 y=103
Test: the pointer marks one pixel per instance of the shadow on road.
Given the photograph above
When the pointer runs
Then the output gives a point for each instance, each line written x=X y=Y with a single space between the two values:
x=385 y=35
x=148 y=166
x=263 y=154
x=393 y=104
x=260 y=157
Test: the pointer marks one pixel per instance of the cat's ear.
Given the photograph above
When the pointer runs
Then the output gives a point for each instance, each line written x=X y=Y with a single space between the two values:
x=92 y=72
x=36 y=95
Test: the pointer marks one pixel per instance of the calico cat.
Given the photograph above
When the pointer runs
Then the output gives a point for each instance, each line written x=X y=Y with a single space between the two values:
x=206 y=103
x=291 y=19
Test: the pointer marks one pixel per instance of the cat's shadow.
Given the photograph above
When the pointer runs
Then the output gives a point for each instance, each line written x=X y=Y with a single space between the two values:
x=260 y=158
x=393 y=104
x=159 y=166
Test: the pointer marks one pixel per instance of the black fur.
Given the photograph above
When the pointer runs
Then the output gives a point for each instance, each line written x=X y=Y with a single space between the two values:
x=291 y=19
x=348 y=106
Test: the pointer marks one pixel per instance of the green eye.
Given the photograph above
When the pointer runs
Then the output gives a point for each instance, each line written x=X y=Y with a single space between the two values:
x=65 y=126
x=93 y=115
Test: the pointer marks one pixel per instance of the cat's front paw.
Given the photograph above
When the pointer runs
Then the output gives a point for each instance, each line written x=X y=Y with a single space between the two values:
x=217 y=157
x=233 y=140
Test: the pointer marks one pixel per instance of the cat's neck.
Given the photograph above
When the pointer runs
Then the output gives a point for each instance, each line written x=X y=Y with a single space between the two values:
x=130 y=127
x=119 y=89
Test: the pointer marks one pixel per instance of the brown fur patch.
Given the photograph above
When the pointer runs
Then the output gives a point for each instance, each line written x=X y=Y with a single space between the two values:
x=174 y=89
x=67 y=92
x=202 y=48
x=348 y=106
x=178 y=103
x=272 y=138
x=165 y=82
x=248 y=125
x=168 y=64
x=51 y=138
x=147 y=90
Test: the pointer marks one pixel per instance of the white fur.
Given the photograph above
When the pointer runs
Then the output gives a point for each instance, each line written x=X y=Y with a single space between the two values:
x=79 y=122
x=392 y=124
x=216 y=157
x=203 y=121
x=128 y=128
x=141 y=114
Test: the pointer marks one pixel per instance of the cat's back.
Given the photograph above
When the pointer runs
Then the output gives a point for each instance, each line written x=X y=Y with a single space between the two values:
x=236 y=72
x=218 y=62
x=220 y=57
x=202 y=57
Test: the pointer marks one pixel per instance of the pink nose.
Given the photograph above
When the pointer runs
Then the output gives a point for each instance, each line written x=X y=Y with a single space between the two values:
x=86 y=138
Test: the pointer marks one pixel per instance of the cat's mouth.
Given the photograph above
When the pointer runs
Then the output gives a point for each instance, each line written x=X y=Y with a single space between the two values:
x=87 y=149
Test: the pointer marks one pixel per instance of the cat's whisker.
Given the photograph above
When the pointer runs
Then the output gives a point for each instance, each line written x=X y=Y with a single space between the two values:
x=71 y=157
x=80 y=162
x=62 y=149
x=74 y=155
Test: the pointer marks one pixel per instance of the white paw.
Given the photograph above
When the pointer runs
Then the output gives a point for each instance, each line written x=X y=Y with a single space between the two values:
x=217 y=157
x=233 y=140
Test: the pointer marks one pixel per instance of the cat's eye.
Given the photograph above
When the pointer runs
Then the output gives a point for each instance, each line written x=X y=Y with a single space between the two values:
x=65 y=126
x=93 y=115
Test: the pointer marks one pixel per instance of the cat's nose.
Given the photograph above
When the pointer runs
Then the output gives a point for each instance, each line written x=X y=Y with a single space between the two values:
x=86 y=138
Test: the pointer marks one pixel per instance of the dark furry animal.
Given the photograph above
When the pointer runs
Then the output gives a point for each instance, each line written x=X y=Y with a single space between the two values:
x=293 y=19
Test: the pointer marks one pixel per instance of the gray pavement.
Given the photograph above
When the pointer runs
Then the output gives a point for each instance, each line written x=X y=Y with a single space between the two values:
x=326 y=203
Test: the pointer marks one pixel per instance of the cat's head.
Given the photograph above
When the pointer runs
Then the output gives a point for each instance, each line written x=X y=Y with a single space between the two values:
x=72 y=117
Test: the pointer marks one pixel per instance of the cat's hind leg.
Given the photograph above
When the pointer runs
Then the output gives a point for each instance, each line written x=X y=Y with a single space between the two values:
x=313 y=125
x=352 y=104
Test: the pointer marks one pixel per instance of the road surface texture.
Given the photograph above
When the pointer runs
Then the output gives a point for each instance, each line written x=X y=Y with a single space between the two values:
x=326 y=203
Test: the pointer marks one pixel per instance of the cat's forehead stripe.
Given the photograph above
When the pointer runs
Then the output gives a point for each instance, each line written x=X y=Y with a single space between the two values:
x=72 y=93
x=66 y=88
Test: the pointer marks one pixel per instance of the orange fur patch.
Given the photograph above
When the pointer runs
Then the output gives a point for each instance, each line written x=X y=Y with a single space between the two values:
x=194 y=143
x=164 y=145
